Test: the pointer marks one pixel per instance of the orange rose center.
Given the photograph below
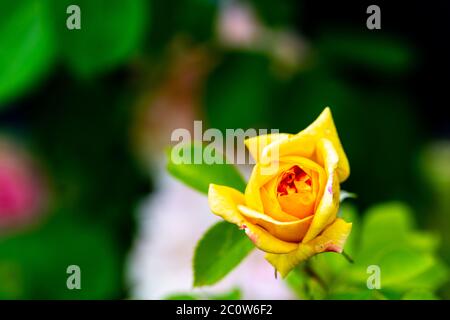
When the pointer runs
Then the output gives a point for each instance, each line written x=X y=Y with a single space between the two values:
x=296 y=192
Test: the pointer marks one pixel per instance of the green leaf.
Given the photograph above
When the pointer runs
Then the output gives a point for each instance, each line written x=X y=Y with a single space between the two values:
x=199 y=176
x=356 y=294
x=26 y=45
x=398 y=268
x=234 y=294
x=424 y=241
x=385 y=225
x=432 y=278
x=182 y=296
x=111 y=31
x=420 y=295
x=388 y=240
x=406 y=257
x=220 y=250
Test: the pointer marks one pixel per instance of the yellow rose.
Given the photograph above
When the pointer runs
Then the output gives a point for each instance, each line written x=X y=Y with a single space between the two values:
x=290 y=213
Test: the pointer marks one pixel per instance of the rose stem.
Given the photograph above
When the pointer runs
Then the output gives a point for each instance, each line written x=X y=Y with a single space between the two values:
x=313 y=274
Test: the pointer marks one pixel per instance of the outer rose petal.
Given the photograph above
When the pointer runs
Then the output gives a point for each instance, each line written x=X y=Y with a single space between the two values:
x=329 y=204
x=293 y=231
x=324 y=127
x=223 y=202
x=296 y=145
x=304 y=143
x=332 y=239
x=266 y=242
x=256 y=145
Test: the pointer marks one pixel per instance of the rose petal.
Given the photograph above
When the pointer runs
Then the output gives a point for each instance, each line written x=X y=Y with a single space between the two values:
x=278 y=207
x=329 y=204
x=267 y=242
x=332 y=239
x=223 y=202
x=304 y=143
x=298 y=204
x=258 y=178
x=272 y=206
x=297 y=145
x=293 y=231
x=256 y=145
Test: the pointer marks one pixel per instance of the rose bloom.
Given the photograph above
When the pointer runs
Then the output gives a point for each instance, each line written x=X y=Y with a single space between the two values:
x=291 y=212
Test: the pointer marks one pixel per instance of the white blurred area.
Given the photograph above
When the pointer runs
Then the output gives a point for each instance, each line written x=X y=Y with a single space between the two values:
x=171 y=221
x=174 y=217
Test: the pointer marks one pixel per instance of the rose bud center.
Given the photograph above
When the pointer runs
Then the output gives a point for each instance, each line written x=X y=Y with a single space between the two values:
x=296 y=192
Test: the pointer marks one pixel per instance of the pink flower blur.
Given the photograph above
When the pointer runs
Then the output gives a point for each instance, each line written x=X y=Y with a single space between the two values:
x=22 y=190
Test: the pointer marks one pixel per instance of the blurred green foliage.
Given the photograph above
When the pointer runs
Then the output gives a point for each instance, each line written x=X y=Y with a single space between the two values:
x=111 y=33
x=24 y=62
x=75 y=129
x=241 y=85
x=90 y=222
x=34 y=37
x=435 y=171
x=34 y=264
x=386 y=238
x=380 y=55
x=234 y=294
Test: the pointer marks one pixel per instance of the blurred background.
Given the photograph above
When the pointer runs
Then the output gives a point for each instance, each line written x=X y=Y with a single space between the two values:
x=85 y=117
